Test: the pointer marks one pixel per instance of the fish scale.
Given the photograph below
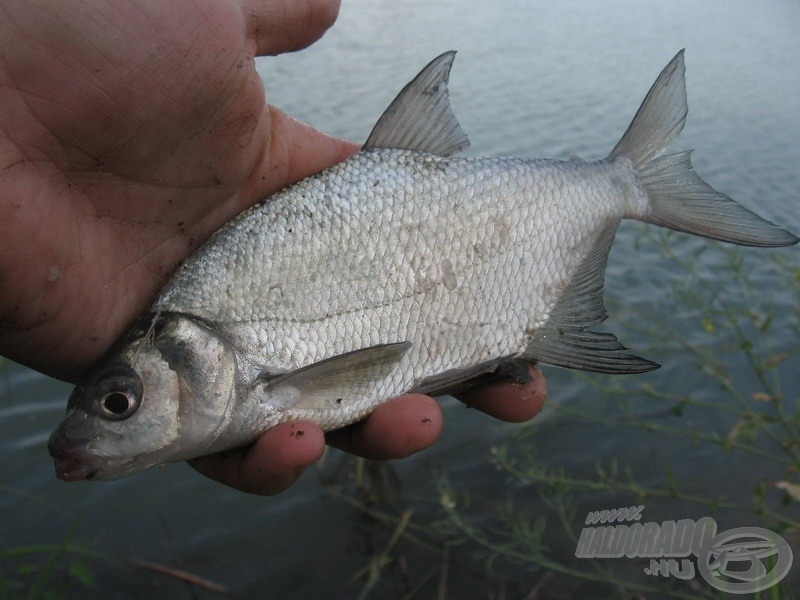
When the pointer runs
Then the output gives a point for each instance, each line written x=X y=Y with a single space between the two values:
x=400 y=269
x=494 y=216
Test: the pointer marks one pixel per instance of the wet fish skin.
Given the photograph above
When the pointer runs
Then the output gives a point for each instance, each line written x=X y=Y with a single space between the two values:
x=402 y=268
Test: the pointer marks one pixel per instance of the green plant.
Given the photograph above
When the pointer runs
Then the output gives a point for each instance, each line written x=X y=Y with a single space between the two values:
x=734 y=402
x=47 y=571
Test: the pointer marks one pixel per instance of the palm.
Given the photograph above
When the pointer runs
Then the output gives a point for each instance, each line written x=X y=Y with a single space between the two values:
x=130 y=132
x=134 y=136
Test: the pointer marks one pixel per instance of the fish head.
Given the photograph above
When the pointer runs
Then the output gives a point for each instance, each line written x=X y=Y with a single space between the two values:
x=162 y=398
x=120 y=420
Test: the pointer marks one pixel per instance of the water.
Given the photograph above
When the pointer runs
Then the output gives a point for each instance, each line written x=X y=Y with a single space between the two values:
x=530 y=79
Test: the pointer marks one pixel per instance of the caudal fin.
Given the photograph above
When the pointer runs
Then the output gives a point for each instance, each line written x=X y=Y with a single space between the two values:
x=678 y=197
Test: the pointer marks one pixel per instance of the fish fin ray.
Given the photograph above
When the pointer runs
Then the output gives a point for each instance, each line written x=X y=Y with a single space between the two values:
x=681 y=200
x=329 y=383
x=456 y=381
x=660 y=117
x=678 y=198
x=420 y=117
x=565 y=340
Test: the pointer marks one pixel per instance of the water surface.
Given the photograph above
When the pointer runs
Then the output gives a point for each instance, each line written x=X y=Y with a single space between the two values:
x=531 y=79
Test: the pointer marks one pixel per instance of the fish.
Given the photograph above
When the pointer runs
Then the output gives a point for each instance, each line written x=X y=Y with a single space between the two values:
x=403 y=268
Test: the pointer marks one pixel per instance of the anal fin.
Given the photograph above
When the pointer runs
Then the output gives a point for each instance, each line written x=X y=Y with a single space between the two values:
x=565 y=341
x=456 y=381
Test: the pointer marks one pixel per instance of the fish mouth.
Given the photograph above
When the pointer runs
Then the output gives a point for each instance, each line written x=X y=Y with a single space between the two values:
x=73 y=461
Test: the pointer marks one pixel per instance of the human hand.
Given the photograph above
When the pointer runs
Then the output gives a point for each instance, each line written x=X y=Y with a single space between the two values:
x=400 y=427
x=131 y=133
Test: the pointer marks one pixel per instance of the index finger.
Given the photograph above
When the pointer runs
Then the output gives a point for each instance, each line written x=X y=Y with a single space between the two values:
x=269 y=465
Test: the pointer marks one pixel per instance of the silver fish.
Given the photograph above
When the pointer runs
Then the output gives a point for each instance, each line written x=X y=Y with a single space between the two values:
x=398 y=269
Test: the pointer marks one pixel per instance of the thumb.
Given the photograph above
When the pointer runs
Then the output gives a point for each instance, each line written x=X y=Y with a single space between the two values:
x=294 y=150
x=279 y=26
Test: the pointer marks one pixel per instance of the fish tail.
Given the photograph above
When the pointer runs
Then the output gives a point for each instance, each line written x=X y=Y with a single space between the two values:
x=677 y=197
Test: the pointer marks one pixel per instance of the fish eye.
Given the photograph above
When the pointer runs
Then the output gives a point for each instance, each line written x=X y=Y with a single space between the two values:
x=116 y=406
x=117 y=393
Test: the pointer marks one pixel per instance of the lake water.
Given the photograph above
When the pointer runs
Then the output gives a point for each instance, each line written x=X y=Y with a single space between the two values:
x=531 y=79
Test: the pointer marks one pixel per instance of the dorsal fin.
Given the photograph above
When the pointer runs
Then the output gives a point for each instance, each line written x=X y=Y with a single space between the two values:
x=420 y=118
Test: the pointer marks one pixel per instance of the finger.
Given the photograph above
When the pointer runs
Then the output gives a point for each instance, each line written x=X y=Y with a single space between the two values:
x=510 y=401
x=296 y=150
x=396 y=429
x=271 y=464
x=288 y=25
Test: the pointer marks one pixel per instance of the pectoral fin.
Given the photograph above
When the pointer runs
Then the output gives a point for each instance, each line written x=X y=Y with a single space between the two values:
x=335 y=381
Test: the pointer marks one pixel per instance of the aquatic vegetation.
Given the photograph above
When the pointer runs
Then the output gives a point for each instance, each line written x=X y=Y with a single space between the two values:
x=48 y=570
x=729 y=406
x=730 y=402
